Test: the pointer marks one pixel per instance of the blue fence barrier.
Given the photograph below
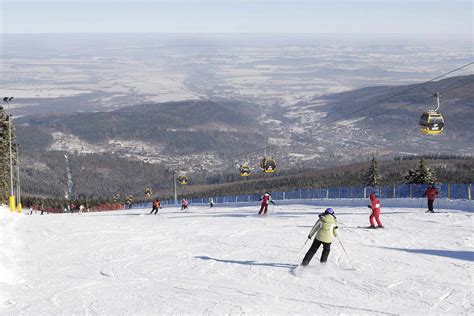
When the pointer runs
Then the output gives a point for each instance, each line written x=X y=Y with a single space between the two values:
x=446 y=191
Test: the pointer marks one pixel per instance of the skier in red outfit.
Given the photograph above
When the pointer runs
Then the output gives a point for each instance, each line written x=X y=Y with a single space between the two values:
x=156 y=205
x=375 y=207
x=266 y=198
x=431 y=194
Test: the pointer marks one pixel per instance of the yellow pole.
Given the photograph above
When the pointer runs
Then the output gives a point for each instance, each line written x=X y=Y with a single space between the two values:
x=12 y=203
x=19 y=208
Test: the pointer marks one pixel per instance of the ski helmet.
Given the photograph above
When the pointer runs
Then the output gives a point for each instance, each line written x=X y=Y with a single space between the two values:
x=329 y=211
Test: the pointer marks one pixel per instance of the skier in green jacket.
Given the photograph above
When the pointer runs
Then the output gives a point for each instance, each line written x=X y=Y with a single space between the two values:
x=325 y=230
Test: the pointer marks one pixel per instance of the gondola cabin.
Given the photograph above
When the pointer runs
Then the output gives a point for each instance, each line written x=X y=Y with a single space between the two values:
x=244 y=170
x=148 y=192
x=182 y=179
x=268 y=164
x=431 y=123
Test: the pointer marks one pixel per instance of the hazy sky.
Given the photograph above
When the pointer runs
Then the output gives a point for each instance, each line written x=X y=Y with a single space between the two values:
x=235 y=16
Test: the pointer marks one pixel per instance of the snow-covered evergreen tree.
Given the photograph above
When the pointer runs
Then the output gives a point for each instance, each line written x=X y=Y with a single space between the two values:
x=421 y=175
x=373 y=177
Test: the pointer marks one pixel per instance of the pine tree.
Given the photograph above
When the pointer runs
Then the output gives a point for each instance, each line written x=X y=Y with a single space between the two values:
x=5 y=154
x=4 y=157
x=421 y=175
x=410 y=177
x=373 y=177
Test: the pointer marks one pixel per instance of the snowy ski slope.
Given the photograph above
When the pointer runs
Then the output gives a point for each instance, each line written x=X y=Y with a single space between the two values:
x=227 y=260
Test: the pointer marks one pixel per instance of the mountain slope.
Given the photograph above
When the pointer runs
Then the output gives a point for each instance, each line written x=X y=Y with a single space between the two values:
x=211 y=137
x=169 y=129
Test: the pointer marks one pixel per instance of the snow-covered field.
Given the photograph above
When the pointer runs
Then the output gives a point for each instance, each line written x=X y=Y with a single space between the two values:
x=226 y=260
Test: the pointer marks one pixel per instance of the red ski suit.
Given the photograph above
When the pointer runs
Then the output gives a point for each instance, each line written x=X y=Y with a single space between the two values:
x=431 y=193
x=264 y=206
x=375 y=206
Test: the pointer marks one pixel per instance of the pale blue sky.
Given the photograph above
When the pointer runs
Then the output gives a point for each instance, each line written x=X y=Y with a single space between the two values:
x=238 y=16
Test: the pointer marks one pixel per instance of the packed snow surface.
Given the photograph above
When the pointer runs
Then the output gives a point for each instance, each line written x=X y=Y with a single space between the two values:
x=228 y=260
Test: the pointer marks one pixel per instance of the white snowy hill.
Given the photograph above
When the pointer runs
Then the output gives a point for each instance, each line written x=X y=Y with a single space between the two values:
x=226 y=260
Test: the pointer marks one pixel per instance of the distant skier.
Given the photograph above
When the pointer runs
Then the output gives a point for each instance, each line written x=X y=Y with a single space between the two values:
x=266 y=199
x=155 y=206
x=375 y=207
x=81 y=209
x=431 y=194
x=211 y=202
x=325 y=230
x=184 y=204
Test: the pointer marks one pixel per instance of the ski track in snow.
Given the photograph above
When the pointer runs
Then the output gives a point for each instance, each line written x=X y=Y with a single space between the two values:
x=225 y=260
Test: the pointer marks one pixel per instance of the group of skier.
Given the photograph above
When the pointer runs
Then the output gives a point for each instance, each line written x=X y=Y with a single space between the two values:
x=325 y=227
x=156 y=205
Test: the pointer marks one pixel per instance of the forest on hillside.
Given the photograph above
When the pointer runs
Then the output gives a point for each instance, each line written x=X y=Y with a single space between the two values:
x=103 y=176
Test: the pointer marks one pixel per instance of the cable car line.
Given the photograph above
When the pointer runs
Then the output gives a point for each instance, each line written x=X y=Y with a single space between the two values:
x=396 y=94
x=416 y=102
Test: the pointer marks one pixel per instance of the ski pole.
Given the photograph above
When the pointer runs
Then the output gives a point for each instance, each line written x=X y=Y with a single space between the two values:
x=347 y=255
x=302 y=247
x=421 y=206
x=299 y=251
x=342 y=245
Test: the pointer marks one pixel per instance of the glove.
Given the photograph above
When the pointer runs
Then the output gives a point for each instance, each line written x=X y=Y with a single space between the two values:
x=369 y=206
x=272 y=202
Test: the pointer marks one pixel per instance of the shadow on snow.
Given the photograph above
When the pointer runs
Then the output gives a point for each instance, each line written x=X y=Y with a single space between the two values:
x=250 y=262
x=454 y=254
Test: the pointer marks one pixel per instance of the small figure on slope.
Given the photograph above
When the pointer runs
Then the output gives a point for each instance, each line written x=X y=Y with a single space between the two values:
x=211 y=202
x=325 y=230
x=375 y=207
x=266 y=199
x=155 y=206
x=431 y=194
x=184 y=204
